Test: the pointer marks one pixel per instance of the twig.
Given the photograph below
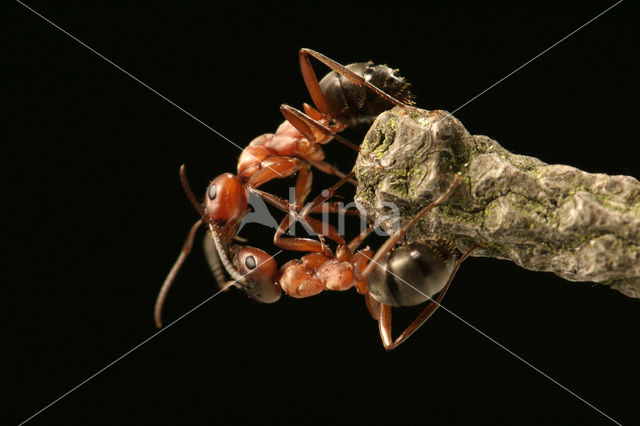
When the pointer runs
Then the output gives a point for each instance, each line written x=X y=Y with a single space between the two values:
x=581 y=226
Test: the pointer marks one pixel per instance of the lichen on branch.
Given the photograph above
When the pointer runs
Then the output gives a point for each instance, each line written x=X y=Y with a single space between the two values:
x=554 y=218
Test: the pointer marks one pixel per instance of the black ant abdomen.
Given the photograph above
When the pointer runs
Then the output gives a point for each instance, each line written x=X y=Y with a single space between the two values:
x=412 y=273
x=353 y=104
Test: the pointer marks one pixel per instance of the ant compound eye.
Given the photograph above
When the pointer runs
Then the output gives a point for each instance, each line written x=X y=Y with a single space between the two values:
x=212 y=192
x=250 y=262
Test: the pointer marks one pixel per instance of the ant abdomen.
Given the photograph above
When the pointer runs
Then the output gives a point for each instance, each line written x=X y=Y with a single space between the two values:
x=352 y=104
x=412 y=273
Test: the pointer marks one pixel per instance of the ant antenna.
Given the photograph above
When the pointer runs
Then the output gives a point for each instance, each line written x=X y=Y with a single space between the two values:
x=166 y=285
x=187 y=189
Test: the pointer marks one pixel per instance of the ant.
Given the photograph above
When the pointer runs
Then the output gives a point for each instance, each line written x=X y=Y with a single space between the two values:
x=342 y=99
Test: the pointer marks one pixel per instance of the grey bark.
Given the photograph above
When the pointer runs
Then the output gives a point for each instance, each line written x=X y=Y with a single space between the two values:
x=581 y=226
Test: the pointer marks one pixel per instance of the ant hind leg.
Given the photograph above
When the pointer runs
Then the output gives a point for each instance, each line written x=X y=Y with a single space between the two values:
x=313 y=85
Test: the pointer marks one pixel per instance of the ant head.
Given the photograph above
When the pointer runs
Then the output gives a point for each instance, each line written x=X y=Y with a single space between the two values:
x=225 y=200
x=259 y=270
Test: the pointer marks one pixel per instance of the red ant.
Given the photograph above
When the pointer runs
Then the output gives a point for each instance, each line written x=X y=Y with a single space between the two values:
x=342 y=100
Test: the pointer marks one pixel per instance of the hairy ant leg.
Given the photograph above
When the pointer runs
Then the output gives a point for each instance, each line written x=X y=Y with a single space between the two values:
x=313 y=129
x=297 y=243
x=322 y=134
x=315 y=89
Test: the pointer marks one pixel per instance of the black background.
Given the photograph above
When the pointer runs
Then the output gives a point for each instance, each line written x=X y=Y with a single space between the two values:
x=98 y=216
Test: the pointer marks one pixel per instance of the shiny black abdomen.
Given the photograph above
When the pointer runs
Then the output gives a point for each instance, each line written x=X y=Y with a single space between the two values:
x=352 y=104
x=415 y=272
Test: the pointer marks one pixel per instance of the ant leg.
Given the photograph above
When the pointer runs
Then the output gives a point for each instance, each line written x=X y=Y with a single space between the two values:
x=303 y=184
x=385 y=311
x=336 y=207
x=373 y=306
x=331 y=170
x=395 y=237
x=283 y=167
x=355 y=243
x=306 y=126
x=311 y=81
x=166 y=285
x=324 y=229
x=302 y=189
x=325 y=195
x=359 y=262
x=313 y=85
x=301 y=122
x=297 y=243
x=321 y=228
